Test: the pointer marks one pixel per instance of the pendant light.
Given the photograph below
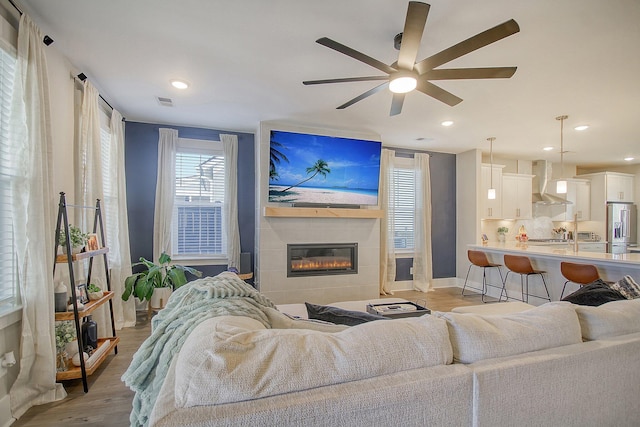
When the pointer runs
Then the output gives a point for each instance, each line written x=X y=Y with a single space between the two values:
x=561 y=184
x=491 y=194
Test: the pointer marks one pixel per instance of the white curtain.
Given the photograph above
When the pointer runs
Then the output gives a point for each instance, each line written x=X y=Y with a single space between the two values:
x=33 y=214
x=230 y=146
x=118 y=232
x=165 y=191
x=88 y=188
x=422 y=259
x=387 y=249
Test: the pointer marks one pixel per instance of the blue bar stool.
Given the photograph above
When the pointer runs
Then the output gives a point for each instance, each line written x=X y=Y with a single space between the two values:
x=479 y=259
x=522 y=265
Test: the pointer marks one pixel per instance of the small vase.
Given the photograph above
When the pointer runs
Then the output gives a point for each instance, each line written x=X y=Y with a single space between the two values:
x=501 y=237
x=61 y=361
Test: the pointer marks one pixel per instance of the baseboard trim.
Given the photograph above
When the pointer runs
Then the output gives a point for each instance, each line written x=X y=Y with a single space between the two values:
x=5 y=412
x=443 y=282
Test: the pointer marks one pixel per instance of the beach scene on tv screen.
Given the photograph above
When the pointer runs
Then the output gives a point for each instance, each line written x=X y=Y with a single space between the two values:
x=305 y=168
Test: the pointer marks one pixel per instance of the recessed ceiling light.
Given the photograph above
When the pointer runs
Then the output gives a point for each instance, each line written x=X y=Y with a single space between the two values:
x=179 y=84
x=447 y=123
x=548 y=148
x=582 y=127
x=628 y=159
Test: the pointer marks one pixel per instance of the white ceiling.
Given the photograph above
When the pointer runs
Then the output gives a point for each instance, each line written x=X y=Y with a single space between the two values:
x=246 y=61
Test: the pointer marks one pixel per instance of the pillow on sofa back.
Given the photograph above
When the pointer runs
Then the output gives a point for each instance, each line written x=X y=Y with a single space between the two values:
x=476 y=337
x=610 y=319
x=221 y=363
x=627 y=287
x=595 y=293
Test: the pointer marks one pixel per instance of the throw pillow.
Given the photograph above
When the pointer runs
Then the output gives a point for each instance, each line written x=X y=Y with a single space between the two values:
x=340 y=316
x=594 y=294
x=609 y=320
x=627 y=287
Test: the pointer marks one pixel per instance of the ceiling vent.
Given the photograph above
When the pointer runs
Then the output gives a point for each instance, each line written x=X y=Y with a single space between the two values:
x=165 y=102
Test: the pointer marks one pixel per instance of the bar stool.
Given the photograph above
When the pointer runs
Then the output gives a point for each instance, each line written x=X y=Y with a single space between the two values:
x=479 y=259
x=582 y=274
x=522 y=266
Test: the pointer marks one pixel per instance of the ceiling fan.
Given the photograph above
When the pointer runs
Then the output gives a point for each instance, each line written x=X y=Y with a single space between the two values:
x=406 y=74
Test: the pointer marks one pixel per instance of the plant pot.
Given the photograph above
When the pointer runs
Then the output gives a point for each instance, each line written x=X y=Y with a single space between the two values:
x=160 y=297
x=95 y=295
x=71 y=348
x=501 y=237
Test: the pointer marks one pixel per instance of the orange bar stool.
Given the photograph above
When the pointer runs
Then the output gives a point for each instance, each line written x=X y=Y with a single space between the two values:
x=582 y=274
x=479 y=259
x=522 y=265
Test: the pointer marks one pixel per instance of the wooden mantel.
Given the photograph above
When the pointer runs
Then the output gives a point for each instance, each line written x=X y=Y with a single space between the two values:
x=322 y=212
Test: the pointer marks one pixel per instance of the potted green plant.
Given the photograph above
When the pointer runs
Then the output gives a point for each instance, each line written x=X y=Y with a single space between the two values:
x=162 y=276
x=502 y=231
x=78 y=238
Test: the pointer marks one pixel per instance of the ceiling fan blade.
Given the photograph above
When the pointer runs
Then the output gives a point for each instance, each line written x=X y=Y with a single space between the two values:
x=470 y=73
x=396 y=104
x=359 y=56
x=345 y=80
x=469 y=45
x=363 y=96
x=438 y=93
x=412 y=34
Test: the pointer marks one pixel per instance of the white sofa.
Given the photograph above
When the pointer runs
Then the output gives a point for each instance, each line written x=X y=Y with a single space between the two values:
x=554 y=365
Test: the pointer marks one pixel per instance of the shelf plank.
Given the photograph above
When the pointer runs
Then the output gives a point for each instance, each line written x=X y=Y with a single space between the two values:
x=74 y=372
x=88 y=307
x=270 y=211
x=82 y=255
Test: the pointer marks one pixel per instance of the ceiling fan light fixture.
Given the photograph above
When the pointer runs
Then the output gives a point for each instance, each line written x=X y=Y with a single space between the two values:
x=403 y=82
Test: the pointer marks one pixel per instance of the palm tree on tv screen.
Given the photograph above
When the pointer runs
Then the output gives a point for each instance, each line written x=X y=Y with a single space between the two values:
x=319 y=167
x=275 y=157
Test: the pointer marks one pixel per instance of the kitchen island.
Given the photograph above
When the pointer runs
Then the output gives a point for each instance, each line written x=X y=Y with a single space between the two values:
x=612 y=267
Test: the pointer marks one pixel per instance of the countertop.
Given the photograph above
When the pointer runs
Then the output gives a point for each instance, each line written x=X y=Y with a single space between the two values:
x=558 y=251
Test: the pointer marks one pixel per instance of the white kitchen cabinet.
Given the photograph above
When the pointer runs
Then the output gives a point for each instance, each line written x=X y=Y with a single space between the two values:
x=620 y=188
x=600 y=247
x=608 y=187
x=516 y=196
x=491 y=209
x=579 y=194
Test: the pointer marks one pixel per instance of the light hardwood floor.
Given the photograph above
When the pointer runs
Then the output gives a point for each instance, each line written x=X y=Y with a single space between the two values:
x=108 y=402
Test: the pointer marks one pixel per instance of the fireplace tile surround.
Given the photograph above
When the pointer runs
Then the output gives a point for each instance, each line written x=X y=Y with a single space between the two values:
x=274 y=233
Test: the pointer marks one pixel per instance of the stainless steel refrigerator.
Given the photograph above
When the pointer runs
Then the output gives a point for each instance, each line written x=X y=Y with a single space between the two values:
x=622 y=219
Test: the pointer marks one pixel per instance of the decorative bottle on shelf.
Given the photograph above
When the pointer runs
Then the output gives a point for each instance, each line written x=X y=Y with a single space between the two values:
x=90 y=334
x=60 y=295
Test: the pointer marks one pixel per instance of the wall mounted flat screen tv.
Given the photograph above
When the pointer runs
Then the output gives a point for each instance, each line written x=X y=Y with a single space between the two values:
x=323 y=170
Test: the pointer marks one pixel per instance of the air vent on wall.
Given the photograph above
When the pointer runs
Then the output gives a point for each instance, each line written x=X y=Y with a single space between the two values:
x=166 y=102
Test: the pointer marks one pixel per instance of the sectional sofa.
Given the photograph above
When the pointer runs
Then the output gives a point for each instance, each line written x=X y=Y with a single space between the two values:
x=555 y=365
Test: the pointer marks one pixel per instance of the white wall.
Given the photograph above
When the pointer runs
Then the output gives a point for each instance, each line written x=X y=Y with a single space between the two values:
x=467 y=193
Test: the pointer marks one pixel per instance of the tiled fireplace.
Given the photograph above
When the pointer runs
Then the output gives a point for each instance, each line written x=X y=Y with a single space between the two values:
x=274 y=234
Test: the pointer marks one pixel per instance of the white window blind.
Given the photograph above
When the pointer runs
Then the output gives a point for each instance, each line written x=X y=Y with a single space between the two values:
x=404 y=194
x=108 y=204
x=198 y=224
x=9 y=283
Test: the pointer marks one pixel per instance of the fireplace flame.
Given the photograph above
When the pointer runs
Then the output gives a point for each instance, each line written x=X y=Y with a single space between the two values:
x=323 y=263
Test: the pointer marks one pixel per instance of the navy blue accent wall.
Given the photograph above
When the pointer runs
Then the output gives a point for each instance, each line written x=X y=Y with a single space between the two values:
x=443 y=214
x=443 y=218
x=141 y=165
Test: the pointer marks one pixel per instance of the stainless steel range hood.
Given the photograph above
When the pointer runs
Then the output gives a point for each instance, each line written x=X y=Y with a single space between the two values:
x=542 y=176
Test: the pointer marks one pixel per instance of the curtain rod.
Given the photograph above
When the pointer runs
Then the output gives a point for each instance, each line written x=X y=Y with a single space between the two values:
x=46 y=39
x=82 y=77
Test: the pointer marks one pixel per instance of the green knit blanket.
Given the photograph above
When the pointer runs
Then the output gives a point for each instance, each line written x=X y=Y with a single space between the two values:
x=222 y=295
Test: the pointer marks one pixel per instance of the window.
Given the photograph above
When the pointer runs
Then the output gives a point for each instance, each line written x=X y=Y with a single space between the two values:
x=9 y=284
x=198 y=229
x=109 y=203
x=403 y=203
